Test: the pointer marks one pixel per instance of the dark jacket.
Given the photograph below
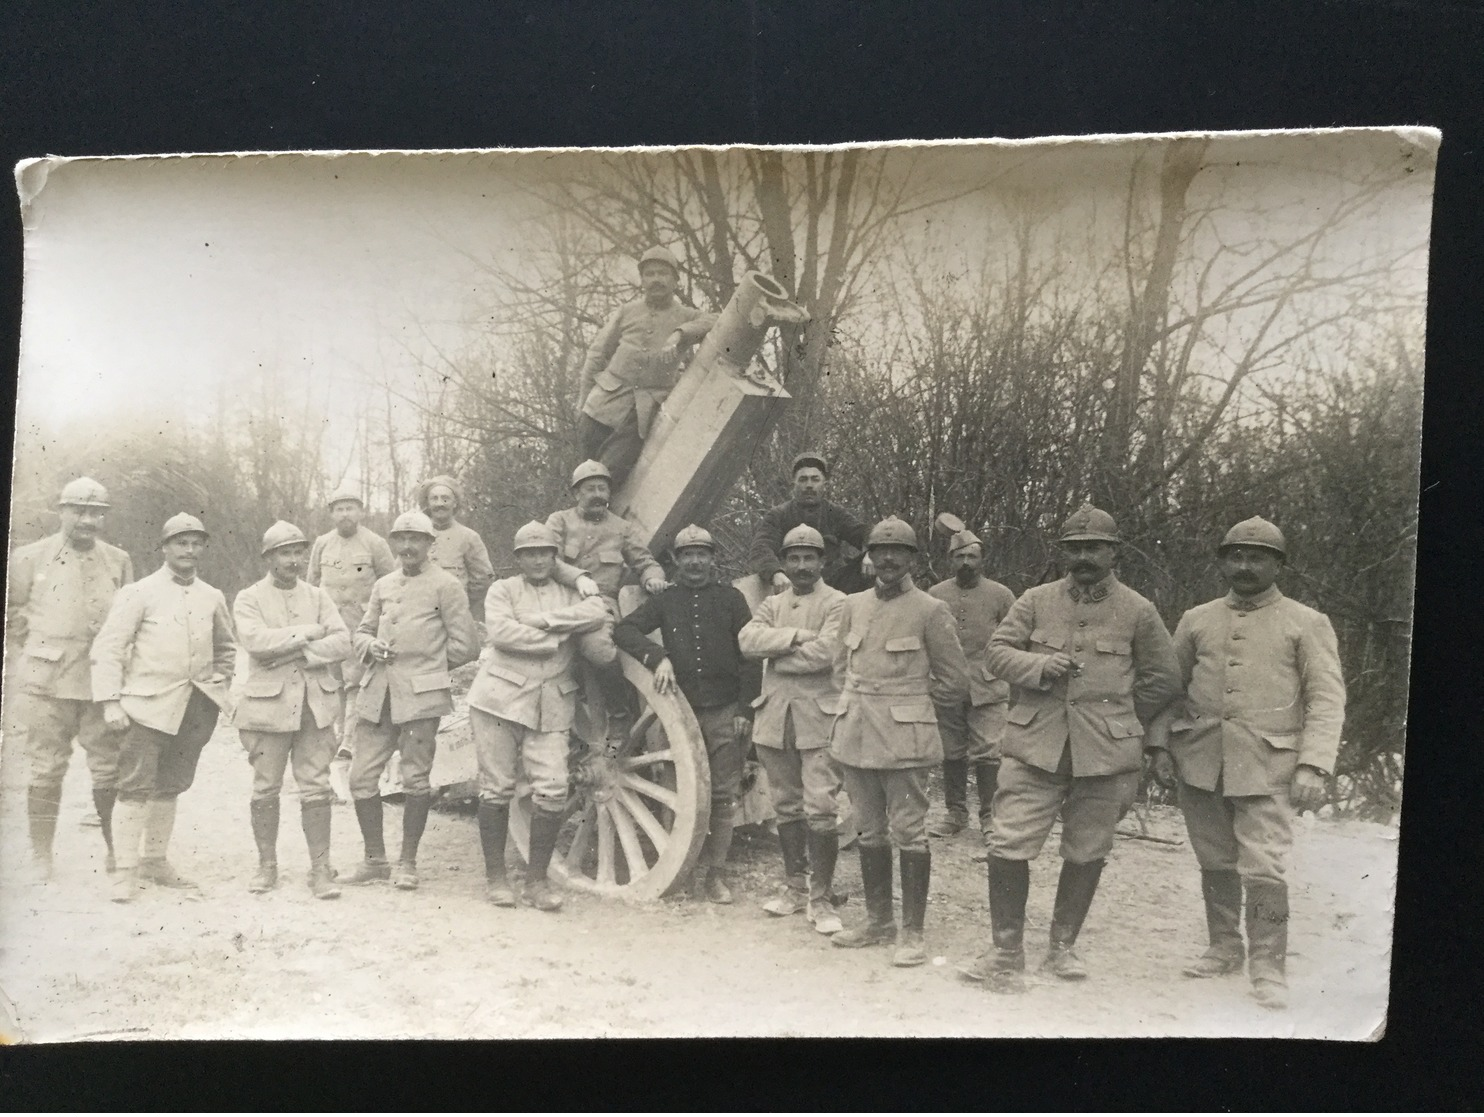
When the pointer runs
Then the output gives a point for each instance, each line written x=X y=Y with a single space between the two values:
x=838 y=525
x=700 y=629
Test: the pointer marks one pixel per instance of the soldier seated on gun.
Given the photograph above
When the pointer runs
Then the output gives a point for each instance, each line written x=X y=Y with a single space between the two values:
x=633 y=364
x=598 y=546
x=522 y=705
x=699 y=619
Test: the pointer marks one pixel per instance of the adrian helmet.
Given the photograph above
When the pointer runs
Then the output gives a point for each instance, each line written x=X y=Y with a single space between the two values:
x=1255 y=532
x=892 y=532
x=803 y=536
x=413 y=523
x=693 y=536
x=281 y=534
x=1089 y=524
x=587 y=471
x=84 y=492
x=664 y=256
x=534 y=536
x=182 y=523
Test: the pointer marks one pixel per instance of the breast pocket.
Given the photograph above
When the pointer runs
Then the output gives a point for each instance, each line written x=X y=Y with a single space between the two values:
x=903 y=655
x=1046 y=641
x=433 y=680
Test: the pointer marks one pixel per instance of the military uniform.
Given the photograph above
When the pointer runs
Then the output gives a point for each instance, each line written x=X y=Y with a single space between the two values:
x=458 y=548
x=165 y=654
x=1263 y=693
x=346 y=567
x=58 y=598
x=295 y=641
x=425 y=619
x=522 y=705
x=973 y=731
x=625 y=379
x=601 y=549
x=844 y=540
x=798 y=635
x=1073 y=745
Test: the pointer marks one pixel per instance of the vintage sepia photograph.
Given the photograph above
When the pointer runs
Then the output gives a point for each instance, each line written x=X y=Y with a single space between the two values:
x=948 y=589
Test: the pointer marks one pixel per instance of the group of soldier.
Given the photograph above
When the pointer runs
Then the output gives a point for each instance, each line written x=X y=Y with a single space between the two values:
x=846 y=675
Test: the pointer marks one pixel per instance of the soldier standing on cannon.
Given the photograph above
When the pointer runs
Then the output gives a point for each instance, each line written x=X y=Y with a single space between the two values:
x=973 y=731
x=797 y=633
x=597 y=547
x=843 y=532
x=457 y=547
x=295 y=640
x=346 y=561
x=162 y=666
x=699 y=620
x=417 y=628
x=522 y=704
x=634 y=362
x=1090 y=663
x=59 y=594
x=899 y=658
x=1255 y=736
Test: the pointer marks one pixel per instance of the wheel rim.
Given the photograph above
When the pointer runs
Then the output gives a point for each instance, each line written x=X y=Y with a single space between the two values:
x=639 y=809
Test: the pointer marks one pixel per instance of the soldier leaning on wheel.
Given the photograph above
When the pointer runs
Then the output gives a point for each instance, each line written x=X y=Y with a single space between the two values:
x=797 y=633
x=345 y=562
x=522 y=704
x=162 y=666
x=699 y=620
x=1255 y=736
x=417 y=629
x=295 y=639
x=594 y=548
x=1089 y=662
x=899 y=657
x=60 y=590
x=973 y=731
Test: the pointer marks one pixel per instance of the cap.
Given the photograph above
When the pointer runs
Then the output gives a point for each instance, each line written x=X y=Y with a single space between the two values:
x=804 y=536
x=892 y=532
x=693 y=536
x=1089 y=524
x=180 y=524
x=962 y=539
x=413 y=523
x=84 y=493
x=345 y=492
x=1255 y=532
x=663 y=255
x=587 y=471
x=534 y=536
x=281 y=534
x=447 y=482
x=810 y=457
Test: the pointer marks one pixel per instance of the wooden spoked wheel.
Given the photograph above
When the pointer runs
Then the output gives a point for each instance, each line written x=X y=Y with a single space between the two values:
x=639 y=809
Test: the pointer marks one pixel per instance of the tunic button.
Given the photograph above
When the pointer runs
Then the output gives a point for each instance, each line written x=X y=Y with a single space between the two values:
x=1082 y=624
x=1077 y=647
x=1072 y=702
x=1231 y=690
x=1234 y=663
x=1241 y=614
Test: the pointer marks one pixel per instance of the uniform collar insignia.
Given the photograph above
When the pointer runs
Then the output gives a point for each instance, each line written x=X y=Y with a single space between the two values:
x=1267 y=597
x=1088 y=595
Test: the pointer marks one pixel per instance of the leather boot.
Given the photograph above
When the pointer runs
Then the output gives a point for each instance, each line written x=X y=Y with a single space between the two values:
x=43 y=805
x=987 y=780
x=128 y=826
x=714 y=855
x=374 y=867
x=264 y=814
x=824 y=851
x=1222 y=891
x=1074 y=893
x=1267 y=939
x=103 y=800
x=315 y=817
x=955 y=800
x=538 y=892
x=159 y=824
x=1002 y=965
x=916 y=865
x=880 y=925
x=793 y=837
x=494 y=826
x=414 y=822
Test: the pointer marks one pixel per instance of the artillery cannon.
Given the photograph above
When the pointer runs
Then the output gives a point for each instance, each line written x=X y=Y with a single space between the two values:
x=640 y=808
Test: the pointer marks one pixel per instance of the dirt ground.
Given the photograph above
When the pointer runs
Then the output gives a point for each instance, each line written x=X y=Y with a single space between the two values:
x=441 y=963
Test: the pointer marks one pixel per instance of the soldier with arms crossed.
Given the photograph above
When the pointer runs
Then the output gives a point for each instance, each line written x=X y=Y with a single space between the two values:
x=899 y=658
x=162 y=668
x=797 y=633
x=417 y=629
x=522 y=705
x=1255 y=736
x=295 y=639
x=59 y=594
x=1089 y=662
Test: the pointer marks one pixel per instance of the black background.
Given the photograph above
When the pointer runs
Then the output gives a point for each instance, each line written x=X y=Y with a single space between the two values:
x=91 y=79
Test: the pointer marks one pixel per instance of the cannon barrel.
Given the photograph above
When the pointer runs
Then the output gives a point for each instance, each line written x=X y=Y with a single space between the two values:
x=703 y=435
